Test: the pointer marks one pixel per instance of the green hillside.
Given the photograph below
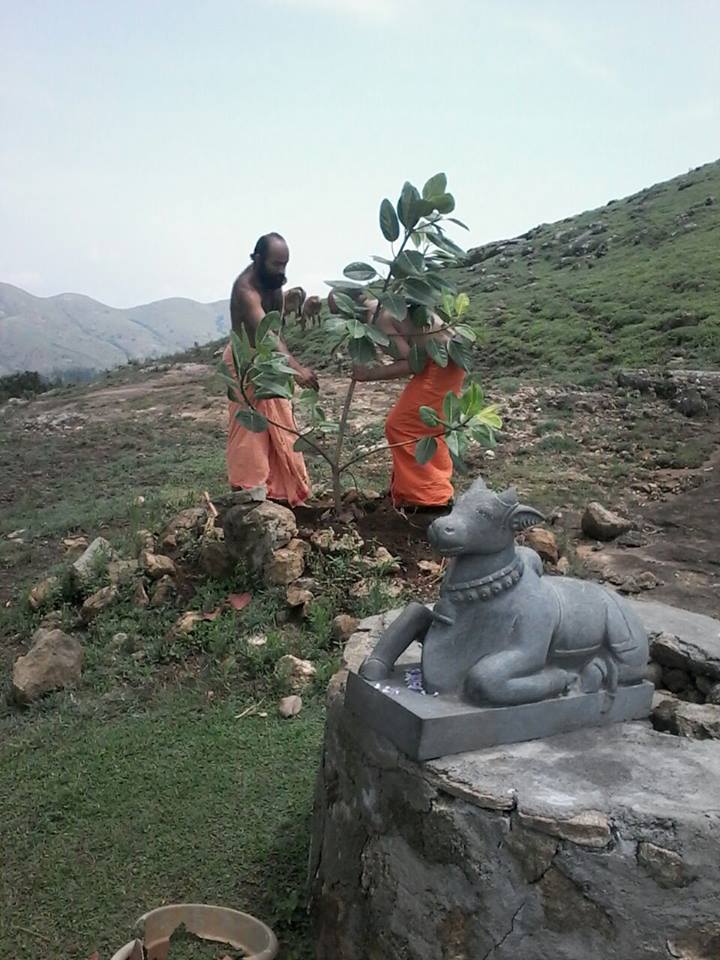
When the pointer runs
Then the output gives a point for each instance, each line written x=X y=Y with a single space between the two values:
x=633 y=283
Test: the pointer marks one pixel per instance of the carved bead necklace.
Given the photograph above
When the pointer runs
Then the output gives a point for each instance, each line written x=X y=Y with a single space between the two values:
x=484 y=588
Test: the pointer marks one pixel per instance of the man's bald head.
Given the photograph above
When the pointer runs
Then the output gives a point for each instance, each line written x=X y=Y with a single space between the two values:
x=270 y=258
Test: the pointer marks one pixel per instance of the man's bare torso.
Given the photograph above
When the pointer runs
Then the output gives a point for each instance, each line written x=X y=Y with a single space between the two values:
x=244 y=294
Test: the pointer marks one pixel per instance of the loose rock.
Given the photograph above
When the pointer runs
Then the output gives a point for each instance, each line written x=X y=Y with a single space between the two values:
x=294 y=672
x=140 y=596
x=183 y=528
x=87 y=566
x=563 y=566
x=53 y=662
x=41 y=592
x=122 y=571
x=290 y=707
x=163 y=592
x=215 y=560
x=343 y=627
x=698 y=721
x=156 y=565
x=543 y=541
x=252 y=535
x=97 y=602
x=599 y=523
x=144 y=540
x=75 y=543
x=285 y=566
x=299 y=599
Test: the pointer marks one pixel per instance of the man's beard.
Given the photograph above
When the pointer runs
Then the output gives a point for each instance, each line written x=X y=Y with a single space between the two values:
x=271 y=281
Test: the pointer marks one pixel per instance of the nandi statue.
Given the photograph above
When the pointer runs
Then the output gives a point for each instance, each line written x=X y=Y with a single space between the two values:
x=503 y=635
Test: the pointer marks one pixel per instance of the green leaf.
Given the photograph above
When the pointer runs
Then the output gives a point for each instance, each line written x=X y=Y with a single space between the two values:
x=233 y=394
x=459 y=223
x=268 y=385
x=489 y=417
x=241 y=350
x=429 y=416
x=362 y=351
x=379 y=336
x=435 y=187
x=301 y=445
x=437 y=351
x=344 y=285
x=357 y=329
x=451 y=407
x=460 y=353
x=395 y=304
x=420 y=291
x=425 y=449
x=467 y=333
x=417 y=358
x=462 y=304
x=345 y=304
x=423 y=208
x=407 y=207
x=458 y=463
x=384 y=260
x=446 y=244
x=360 y=271
x=389 y=221
x=452 y=439
x=444 y=203
x=471 y=400
x=270 y=322
x=438 y=283
x=409 y=263
x=309 y=397
x=252 y=420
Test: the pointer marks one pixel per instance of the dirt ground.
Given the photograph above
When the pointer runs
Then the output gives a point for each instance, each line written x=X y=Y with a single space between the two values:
x=560 y=447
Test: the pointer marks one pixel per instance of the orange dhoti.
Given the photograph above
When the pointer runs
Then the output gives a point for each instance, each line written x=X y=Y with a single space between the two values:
x=429 y=484
x=267 y=458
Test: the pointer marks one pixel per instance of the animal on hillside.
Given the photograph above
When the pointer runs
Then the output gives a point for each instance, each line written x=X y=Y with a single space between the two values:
x=311 y=312
x=293 y=302
x=501 y=633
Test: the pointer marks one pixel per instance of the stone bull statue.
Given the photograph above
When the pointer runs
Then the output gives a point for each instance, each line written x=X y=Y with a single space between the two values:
x=501 y=633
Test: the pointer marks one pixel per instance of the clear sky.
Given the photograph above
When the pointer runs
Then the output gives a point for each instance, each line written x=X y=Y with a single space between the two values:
x=144 y=145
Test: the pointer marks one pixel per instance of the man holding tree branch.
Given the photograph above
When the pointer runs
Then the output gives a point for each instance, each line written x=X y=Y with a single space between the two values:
x=267 y=457
x=427 y=486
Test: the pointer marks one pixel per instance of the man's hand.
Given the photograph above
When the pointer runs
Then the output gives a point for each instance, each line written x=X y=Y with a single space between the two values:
x=307 y=378
x=363 y=373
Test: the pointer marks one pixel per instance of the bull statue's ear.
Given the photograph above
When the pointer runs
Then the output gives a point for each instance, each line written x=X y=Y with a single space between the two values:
x=523 y=517
x=508 y=497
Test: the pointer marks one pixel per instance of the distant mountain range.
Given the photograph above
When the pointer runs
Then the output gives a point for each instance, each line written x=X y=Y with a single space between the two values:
x=71 y=333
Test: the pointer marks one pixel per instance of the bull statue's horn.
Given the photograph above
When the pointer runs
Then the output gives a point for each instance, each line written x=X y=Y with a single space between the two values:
x=523 y=517
x=479 y=484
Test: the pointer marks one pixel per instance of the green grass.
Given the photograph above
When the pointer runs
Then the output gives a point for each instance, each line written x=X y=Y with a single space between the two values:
x=181 y=802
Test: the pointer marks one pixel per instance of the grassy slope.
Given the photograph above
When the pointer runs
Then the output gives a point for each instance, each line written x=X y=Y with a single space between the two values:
x=646 y=291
